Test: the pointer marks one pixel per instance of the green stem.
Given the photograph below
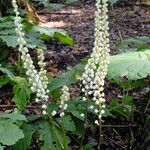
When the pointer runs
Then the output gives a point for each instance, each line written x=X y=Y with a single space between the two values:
x=100 y=134
x=54 y=129
x=18 y=62
x=64 y=133
x=85 y=125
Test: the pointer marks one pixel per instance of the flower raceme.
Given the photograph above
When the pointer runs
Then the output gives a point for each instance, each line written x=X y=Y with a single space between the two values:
x=96 y=67
x=63 y=99
x=37 y=80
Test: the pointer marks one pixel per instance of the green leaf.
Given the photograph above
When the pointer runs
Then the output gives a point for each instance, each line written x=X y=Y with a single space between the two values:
x=33 y=40
x=12 y=116
x=10 y=40
x=24 y=143
x=65 y=79
x=48 y=136
x=7 y=31
x=59 y=34
x=113 y=1
x=71 y=1
x=87 y=147
x=21 y=92
x=133 y=66
x=64 y=39
x=123 y=107
x=7 y=24
x=1 y=148
x=139 y=43
x=48 y=31
x=7 y=72
x=10 y=133
x=68 y=123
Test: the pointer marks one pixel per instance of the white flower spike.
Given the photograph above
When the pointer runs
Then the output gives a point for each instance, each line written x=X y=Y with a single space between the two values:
x=96 y=68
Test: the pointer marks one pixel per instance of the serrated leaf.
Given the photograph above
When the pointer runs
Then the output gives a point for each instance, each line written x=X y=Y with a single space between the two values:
x=21 y=93
x=7 y=31
x=68 y=123
x=48 y=136
x=24 y=143
x=12 y=116
x=133 y=66
x=59 y=34
x=48 y=31
x=7 y=24
x=65 y=79
x=1 y=148
x=10 y=133
x=33 y=40
x=123 y=107
x=10 y=40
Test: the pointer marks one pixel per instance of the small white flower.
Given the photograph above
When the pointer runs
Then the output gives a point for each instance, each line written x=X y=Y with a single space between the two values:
x=96 y=111
x=62 y=114
x=37 y=100
x=84 y=99
x=44 y=106
x=102 y=111
x=53 y=113
x=99 y=116
x=44 y=112
x=91 y=107
x=96 y=122
x=82 y=115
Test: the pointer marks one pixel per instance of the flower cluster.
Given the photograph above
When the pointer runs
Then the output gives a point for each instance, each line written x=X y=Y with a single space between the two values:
x=37 y=80
x=96 y=68
x=64 y=97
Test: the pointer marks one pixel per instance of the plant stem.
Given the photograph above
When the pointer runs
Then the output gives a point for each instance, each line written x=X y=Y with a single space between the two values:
x=54 y=129
x=85 y=125
x=118 y=126
x=18 y=62
x=100 y=134
x=64 y=133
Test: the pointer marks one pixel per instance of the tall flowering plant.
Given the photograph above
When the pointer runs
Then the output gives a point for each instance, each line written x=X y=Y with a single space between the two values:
x=96 y=68
x=37 y=80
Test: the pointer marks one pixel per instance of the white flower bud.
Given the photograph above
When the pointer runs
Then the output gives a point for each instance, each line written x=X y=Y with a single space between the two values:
x=62 y=114
x=53 y=113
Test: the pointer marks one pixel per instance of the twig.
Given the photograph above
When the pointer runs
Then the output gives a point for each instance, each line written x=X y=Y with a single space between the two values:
x=114 y=142
x=147 y=106
x=118 y=126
